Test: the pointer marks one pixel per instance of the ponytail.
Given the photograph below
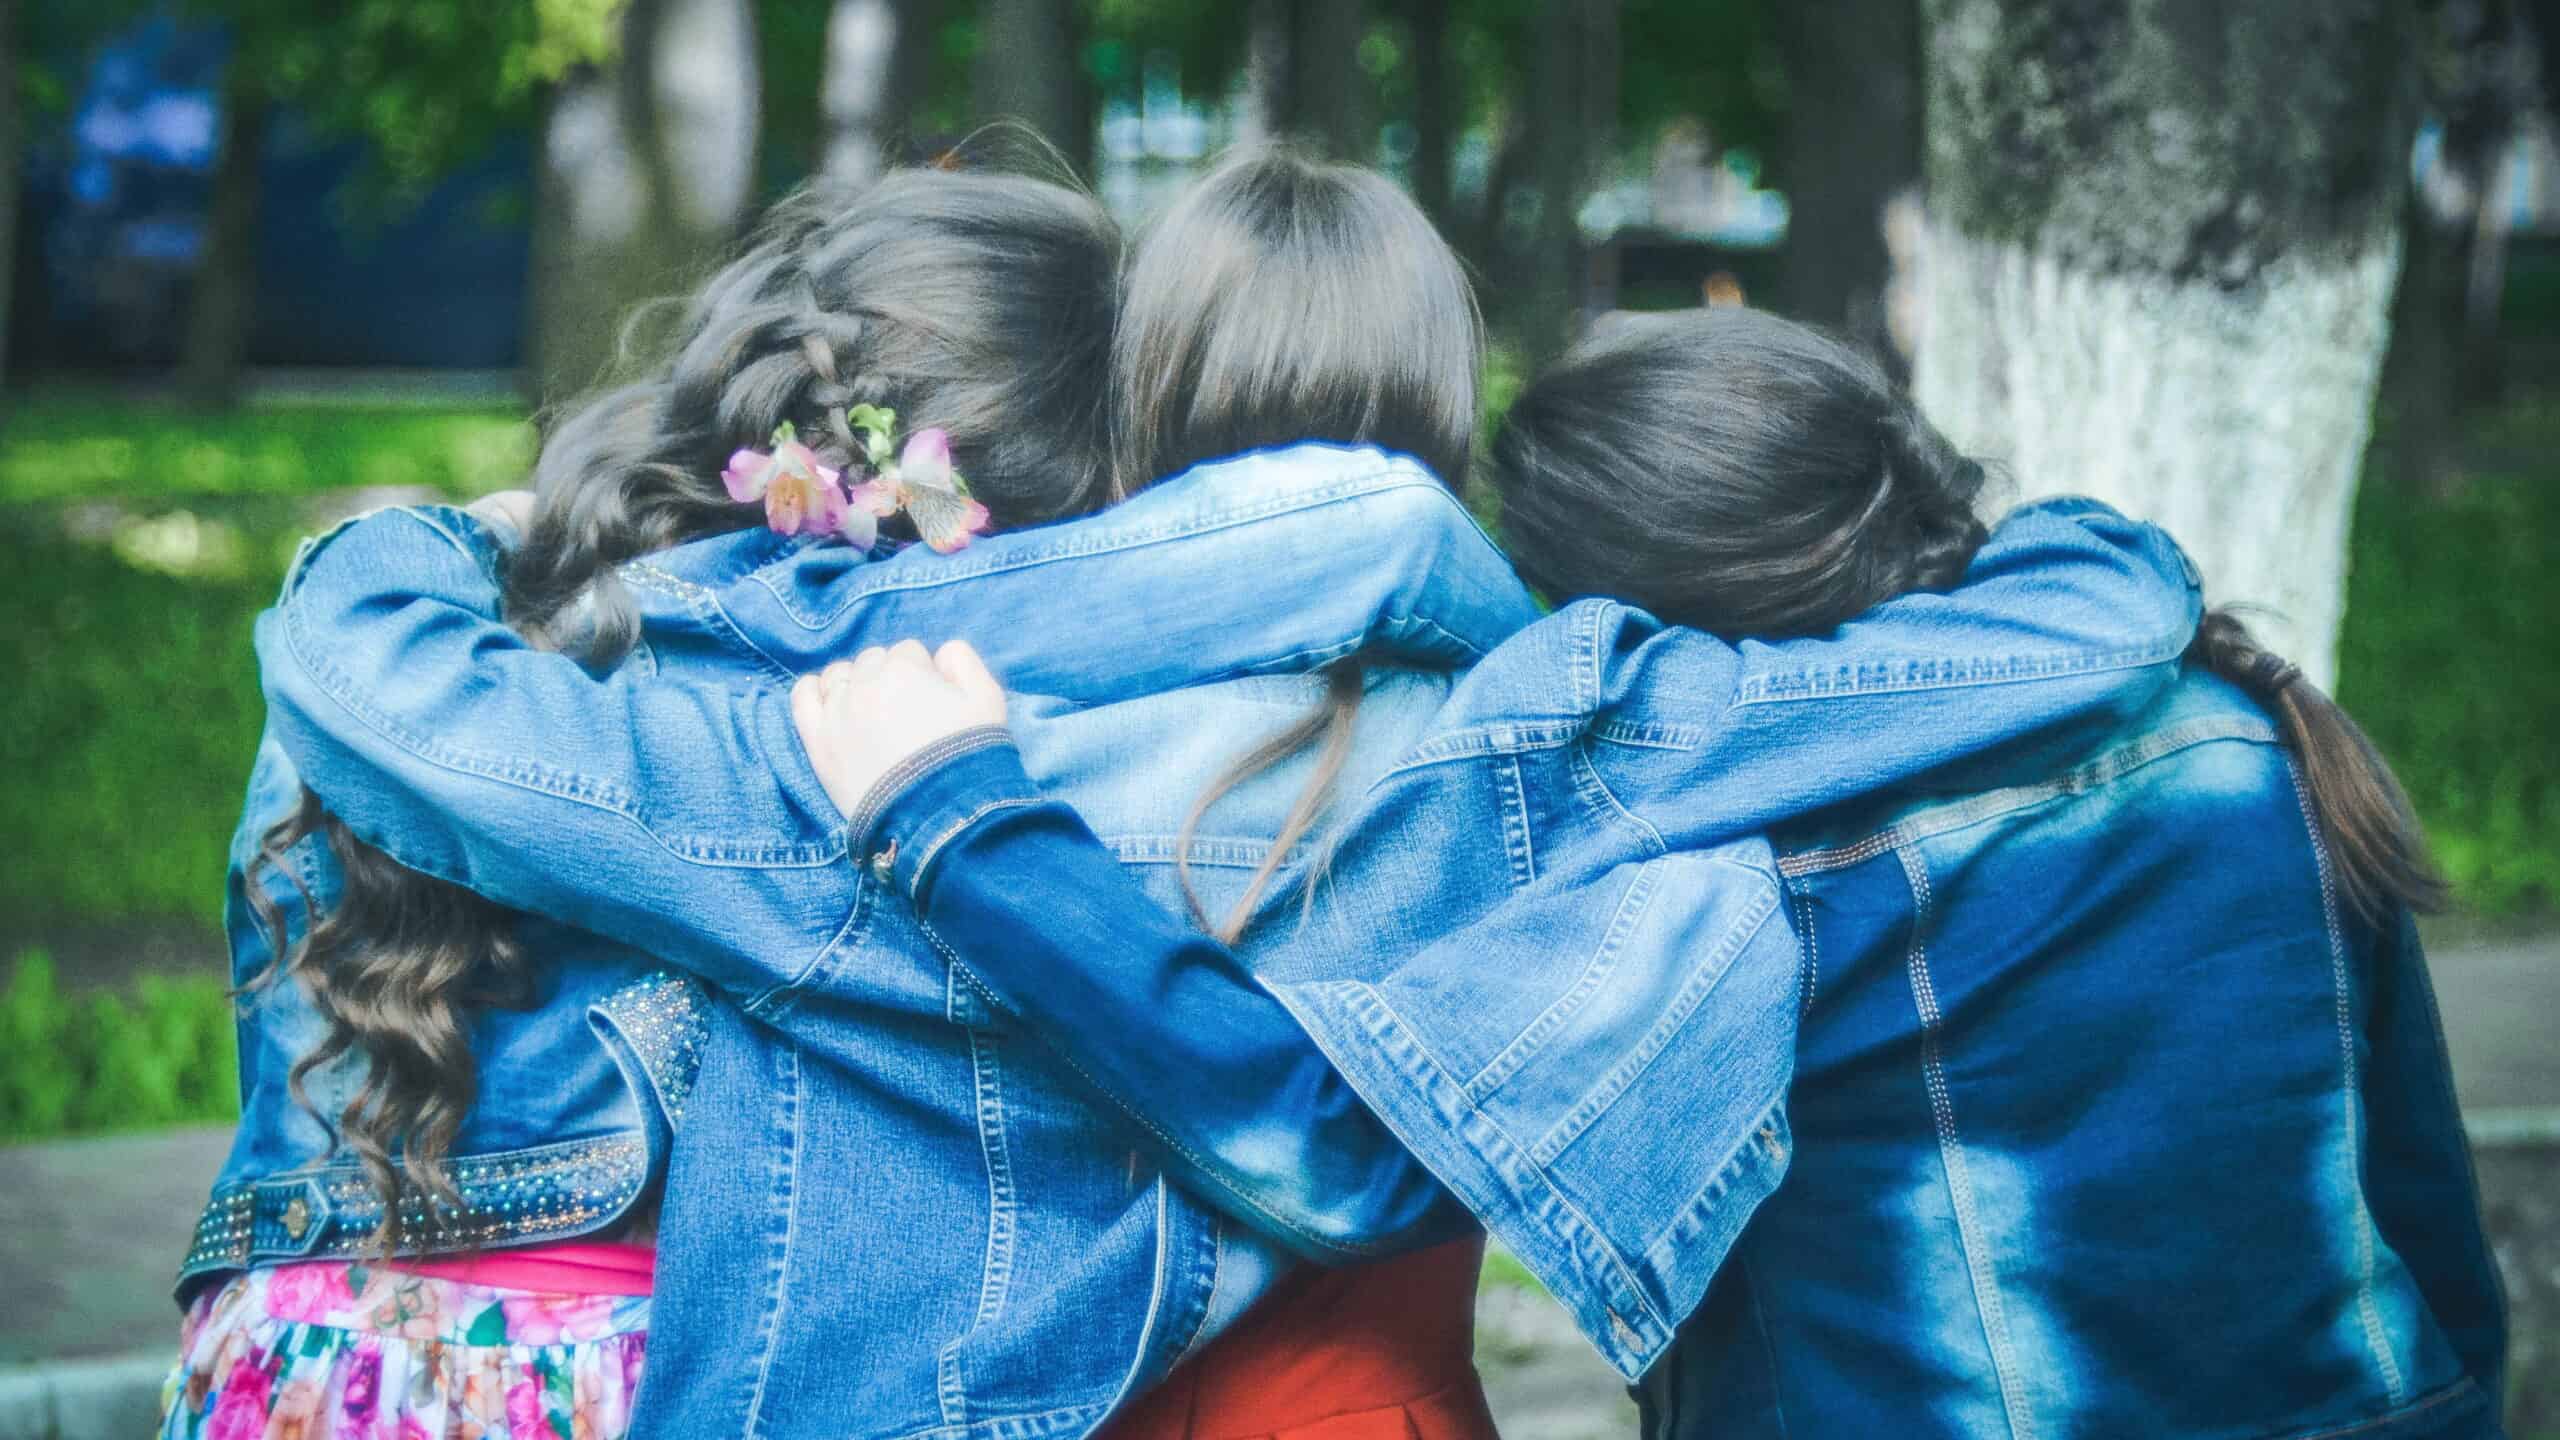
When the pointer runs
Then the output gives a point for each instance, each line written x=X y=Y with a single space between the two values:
x=2363 y=816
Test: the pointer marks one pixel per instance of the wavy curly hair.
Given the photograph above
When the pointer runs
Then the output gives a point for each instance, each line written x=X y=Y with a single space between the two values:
x=982 y=303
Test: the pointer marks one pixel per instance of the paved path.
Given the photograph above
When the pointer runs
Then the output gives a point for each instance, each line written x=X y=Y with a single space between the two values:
x=90 y=1229
x=2501 y=997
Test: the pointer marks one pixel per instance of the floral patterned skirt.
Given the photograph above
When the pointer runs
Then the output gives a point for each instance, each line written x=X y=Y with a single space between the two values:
x=337 y=1351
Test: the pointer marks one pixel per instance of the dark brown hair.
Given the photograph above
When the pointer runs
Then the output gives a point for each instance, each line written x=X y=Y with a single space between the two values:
x=981 y=303
x=1742 y=474
x=2374 y=841
x=1279 y=299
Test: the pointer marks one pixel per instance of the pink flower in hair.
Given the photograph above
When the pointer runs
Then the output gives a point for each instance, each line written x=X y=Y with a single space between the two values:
x=800 y=492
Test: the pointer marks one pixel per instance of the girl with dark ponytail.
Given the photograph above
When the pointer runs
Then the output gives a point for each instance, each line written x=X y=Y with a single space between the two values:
x=2091 y=1038
x=1734 y=471
x=421 y=1059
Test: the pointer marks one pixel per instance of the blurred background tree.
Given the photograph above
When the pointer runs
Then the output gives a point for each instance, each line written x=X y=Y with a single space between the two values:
x=2158 y=269
x=2147 y=250
x=264 y=263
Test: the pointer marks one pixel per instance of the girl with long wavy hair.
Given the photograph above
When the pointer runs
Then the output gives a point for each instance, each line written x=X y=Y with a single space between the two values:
x=2100 y=1067
x=908 y=1214
x=439 y=1212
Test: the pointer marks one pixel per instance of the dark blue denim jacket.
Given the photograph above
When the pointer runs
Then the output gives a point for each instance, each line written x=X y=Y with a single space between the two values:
x=1024 y=1275
x=2097 y=1114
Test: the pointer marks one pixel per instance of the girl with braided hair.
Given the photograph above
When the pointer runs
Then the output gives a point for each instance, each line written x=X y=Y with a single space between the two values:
x=2100 y=1064
x=437 y=1215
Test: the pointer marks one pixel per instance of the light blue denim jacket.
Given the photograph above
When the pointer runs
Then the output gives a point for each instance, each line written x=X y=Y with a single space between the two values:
x=1014 y=1267
x=2099 y=1112
x=577 y=1091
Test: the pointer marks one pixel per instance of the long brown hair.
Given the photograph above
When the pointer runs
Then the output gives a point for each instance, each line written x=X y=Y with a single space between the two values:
x=978 y=302
x=1281 y=299
x=2375 y=845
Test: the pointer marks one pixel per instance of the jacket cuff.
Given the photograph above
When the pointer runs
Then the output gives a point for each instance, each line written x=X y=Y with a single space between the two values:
x=932 y=798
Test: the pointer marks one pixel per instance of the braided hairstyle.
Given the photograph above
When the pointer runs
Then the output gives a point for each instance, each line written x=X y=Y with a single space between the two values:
x=1730 y=471
x=981 y=303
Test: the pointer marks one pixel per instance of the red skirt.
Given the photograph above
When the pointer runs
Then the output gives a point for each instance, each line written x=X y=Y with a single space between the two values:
x=1368 y=1352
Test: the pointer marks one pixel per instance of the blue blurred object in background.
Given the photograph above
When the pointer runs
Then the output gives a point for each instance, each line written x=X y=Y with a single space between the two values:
x=117 y=211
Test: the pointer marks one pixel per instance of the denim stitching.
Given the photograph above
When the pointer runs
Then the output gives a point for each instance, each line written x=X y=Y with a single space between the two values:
x=1907 y=676
x=886 y=790
x=786 y=1181
x=1519 y=839
x=1991 y=804
x=1986 y=1288
x=933 y=851
x=2368 y=1312
x=1709 y=973
x=540 y=780
x=1079 y=1418
x=1577 y=1229
x=1533 y=1038
x=987 y=1060
x=777 y=1000
x=1594 y=791
x=1348 y=489
x=1812 y=949
x=705 y=606
x=1243 y=1199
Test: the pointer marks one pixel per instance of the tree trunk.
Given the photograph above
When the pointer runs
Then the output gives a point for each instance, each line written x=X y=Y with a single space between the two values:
x=1329 y=89
x=854 y=96
x=1435 y=109
x=1571 y=136
x=218 y=317
x=2420 y=369
x=1852 y=143
x=2160 y=257
x=645 y=177
x=1266 y=106
x=8 y=173
x=1029 y=68
x=691 y=98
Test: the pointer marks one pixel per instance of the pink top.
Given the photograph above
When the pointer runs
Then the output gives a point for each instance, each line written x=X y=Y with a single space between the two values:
x=572 y=1267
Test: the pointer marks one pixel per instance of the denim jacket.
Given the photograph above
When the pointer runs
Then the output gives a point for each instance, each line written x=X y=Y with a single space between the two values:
x=1017 y=1268
x=2098 y=1114
x=577 y=1092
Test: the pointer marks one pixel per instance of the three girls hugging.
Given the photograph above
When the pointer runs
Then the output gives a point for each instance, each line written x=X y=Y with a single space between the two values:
x=1882 y=969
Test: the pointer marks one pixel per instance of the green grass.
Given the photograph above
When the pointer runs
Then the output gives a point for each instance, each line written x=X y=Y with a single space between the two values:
x=2450 y=661
x=76 y=446
x=131 y=710
x=82 y=1063
x=126 y=728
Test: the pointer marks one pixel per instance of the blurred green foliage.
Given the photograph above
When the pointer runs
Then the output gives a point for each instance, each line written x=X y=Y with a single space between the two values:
x=2448 y=658
x=74 y=446
x=128 y=733
x=133 y=709
x=73 y=1063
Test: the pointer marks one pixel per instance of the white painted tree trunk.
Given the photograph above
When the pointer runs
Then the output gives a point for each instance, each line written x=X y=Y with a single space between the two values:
x=862 y=44
x=2237 y=419
x=647 y=171
x=704 y=83
x=2157 y=266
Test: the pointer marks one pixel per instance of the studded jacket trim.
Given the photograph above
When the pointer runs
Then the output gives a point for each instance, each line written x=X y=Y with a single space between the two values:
x=545 y=1192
